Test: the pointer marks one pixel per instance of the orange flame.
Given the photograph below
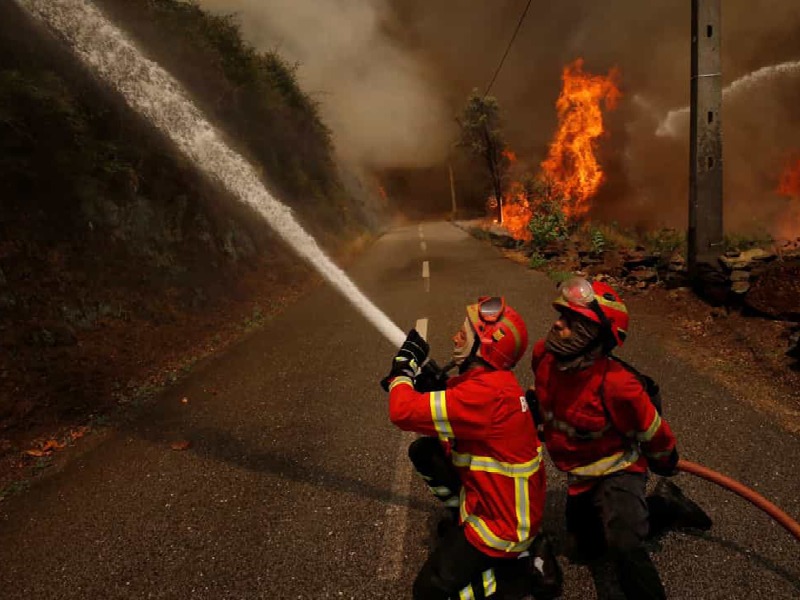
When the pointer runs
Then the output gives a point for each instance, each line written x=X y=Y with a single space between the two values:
x=517 y=212
x=788 y=223
x=789 y=184
x=510 y=156
x=571 y=162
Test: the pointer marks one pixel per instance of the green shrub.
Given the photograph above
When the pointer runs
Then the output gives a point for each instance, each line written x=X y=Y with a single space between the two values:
x=537 y=261
x=559 y=276
x=665 y=242
x=548 y=224
x=739 y=242
x=598 y=241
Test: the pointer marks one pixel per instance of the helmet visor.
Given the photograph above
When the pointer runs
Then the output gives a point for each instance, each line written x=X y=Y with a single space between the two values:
x=490 y=308
x=577 y=290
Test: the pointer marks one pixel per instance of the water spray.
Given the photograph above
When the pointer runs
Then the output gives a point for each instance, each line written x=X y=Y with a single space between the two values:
x=156 y=95
x=675 y=118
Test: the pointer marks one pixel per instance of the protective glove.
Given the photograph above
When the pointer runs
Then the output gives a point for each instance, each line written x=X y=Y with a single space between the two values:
x=430 y=378
x=533 y=405
x=408 y=359
x=666 y=467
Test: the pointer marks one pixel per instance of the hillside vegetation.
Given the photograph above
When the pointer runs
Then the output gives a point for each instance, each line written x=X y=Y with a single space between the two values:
x=120 y=264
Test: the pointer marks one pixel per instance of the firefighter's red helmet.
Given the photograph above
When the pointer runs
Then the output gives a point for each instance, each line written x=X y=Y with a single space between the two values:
x=598 y=302
x=502 y=335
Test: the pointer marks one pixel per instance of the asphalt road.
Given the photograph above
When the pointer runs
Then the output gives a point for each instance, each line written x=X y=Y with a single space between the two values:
x=296 y=485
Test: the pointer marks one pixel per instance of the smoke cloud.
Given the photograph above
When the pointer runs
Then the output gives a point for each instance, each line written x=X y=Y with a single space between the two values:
x=375 y=95
x=391 y=74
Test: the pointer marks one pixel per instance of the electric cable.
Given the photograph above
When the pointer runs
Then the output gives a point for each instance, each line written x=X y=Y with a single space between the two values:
x=508 y=48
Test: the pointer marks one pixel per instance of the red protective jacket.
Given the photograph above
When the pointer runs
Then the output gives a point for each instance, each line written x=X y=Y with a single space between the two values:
x=483 y=419
x=589 y=435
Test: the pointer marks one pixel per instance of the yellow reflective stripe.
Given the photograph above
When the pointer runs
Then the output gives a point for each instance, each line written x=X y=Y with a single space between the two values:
x=490 y=539
x=439 y=415
x=663 y=454
x=490 y=465
x=646 y=436
x=441 y=490
x=400 y=380
x=453 y=502
x=514 y=332
x=609 y=464
x=572 y=432
x=612 y=304
x=522 y=505
x=489 y=583
x=466 y=593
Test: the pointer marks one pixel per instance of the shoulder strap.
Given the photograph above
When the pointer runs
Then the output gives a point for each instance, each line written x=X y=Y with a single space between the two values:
x=648 y=383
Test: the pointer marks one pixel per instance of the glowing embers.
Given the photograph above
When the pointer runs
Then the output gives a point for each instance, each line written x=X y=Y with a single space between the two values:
x=571 y=163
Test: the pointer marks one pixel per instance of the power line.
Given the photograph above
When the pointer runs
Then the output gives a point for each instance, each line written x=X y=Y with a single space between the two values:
x=508 y=48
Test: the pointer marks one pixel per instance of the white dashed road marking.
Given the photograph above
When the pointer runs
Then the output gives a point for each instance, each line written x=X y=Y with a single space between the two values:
x=422 y=327
x=424 y=246
x=426 y=275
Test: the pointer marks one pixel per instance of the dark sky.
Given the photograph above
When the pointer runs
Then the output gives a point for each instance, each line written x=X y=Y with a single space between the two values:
x=392 y=74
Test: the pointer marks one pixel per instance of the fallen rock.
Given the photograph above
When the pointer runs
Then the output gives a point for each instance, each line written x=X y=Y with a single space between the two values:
x=644 y=275
x=744 y=260
x=634 y=260
x=739 y=275
x=777 y=292
x=740 y=287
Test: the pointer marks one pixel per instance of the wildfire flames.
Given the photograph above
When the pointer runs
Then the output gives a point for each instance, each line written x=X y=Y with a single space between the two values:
x=572 y=163
x=790 y=180
x=571 y=166
x=788 y=225
x=517 y=212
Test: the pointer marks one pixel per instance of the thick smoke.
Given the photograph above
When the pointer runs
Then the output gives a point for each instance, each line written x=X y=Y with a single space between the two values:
x=391 y=74
x=375 y=95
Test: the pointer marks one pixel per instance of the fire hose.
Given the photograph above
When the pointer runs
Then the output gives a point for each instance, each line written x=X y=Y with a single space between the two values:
x=745 y=492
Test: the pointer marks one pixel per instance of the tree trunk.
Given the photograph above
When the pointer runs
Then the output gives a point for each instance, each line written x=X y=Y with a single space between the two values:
x=491 y=160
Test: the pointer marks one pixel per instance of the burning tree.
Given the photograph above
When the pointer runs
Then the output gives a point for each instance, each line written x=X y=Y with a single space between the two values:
x=539 y=208
x=481 y=135
x=571 y=162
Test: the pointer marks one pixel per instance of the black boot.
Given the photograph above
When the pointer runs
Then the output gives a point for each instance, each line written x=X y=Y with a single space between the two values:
x=670 y=508
x=448 y=521
x=546 y=575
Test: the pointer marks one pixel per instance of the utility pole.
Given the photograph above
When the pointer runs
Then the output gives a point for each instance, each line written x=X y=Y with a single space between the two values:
x=705 y=171
x=452 y=192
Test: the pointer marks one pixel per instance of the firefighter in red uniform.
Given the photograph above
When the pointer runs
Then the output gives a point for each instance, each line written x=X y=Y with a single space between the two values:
x=600 y=426
x=480 y=454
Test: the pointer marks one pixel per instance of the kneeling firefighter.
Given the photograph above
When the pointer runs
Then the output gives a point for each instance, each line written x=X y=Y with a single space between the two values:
x=481 y=457
x=601 y=426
